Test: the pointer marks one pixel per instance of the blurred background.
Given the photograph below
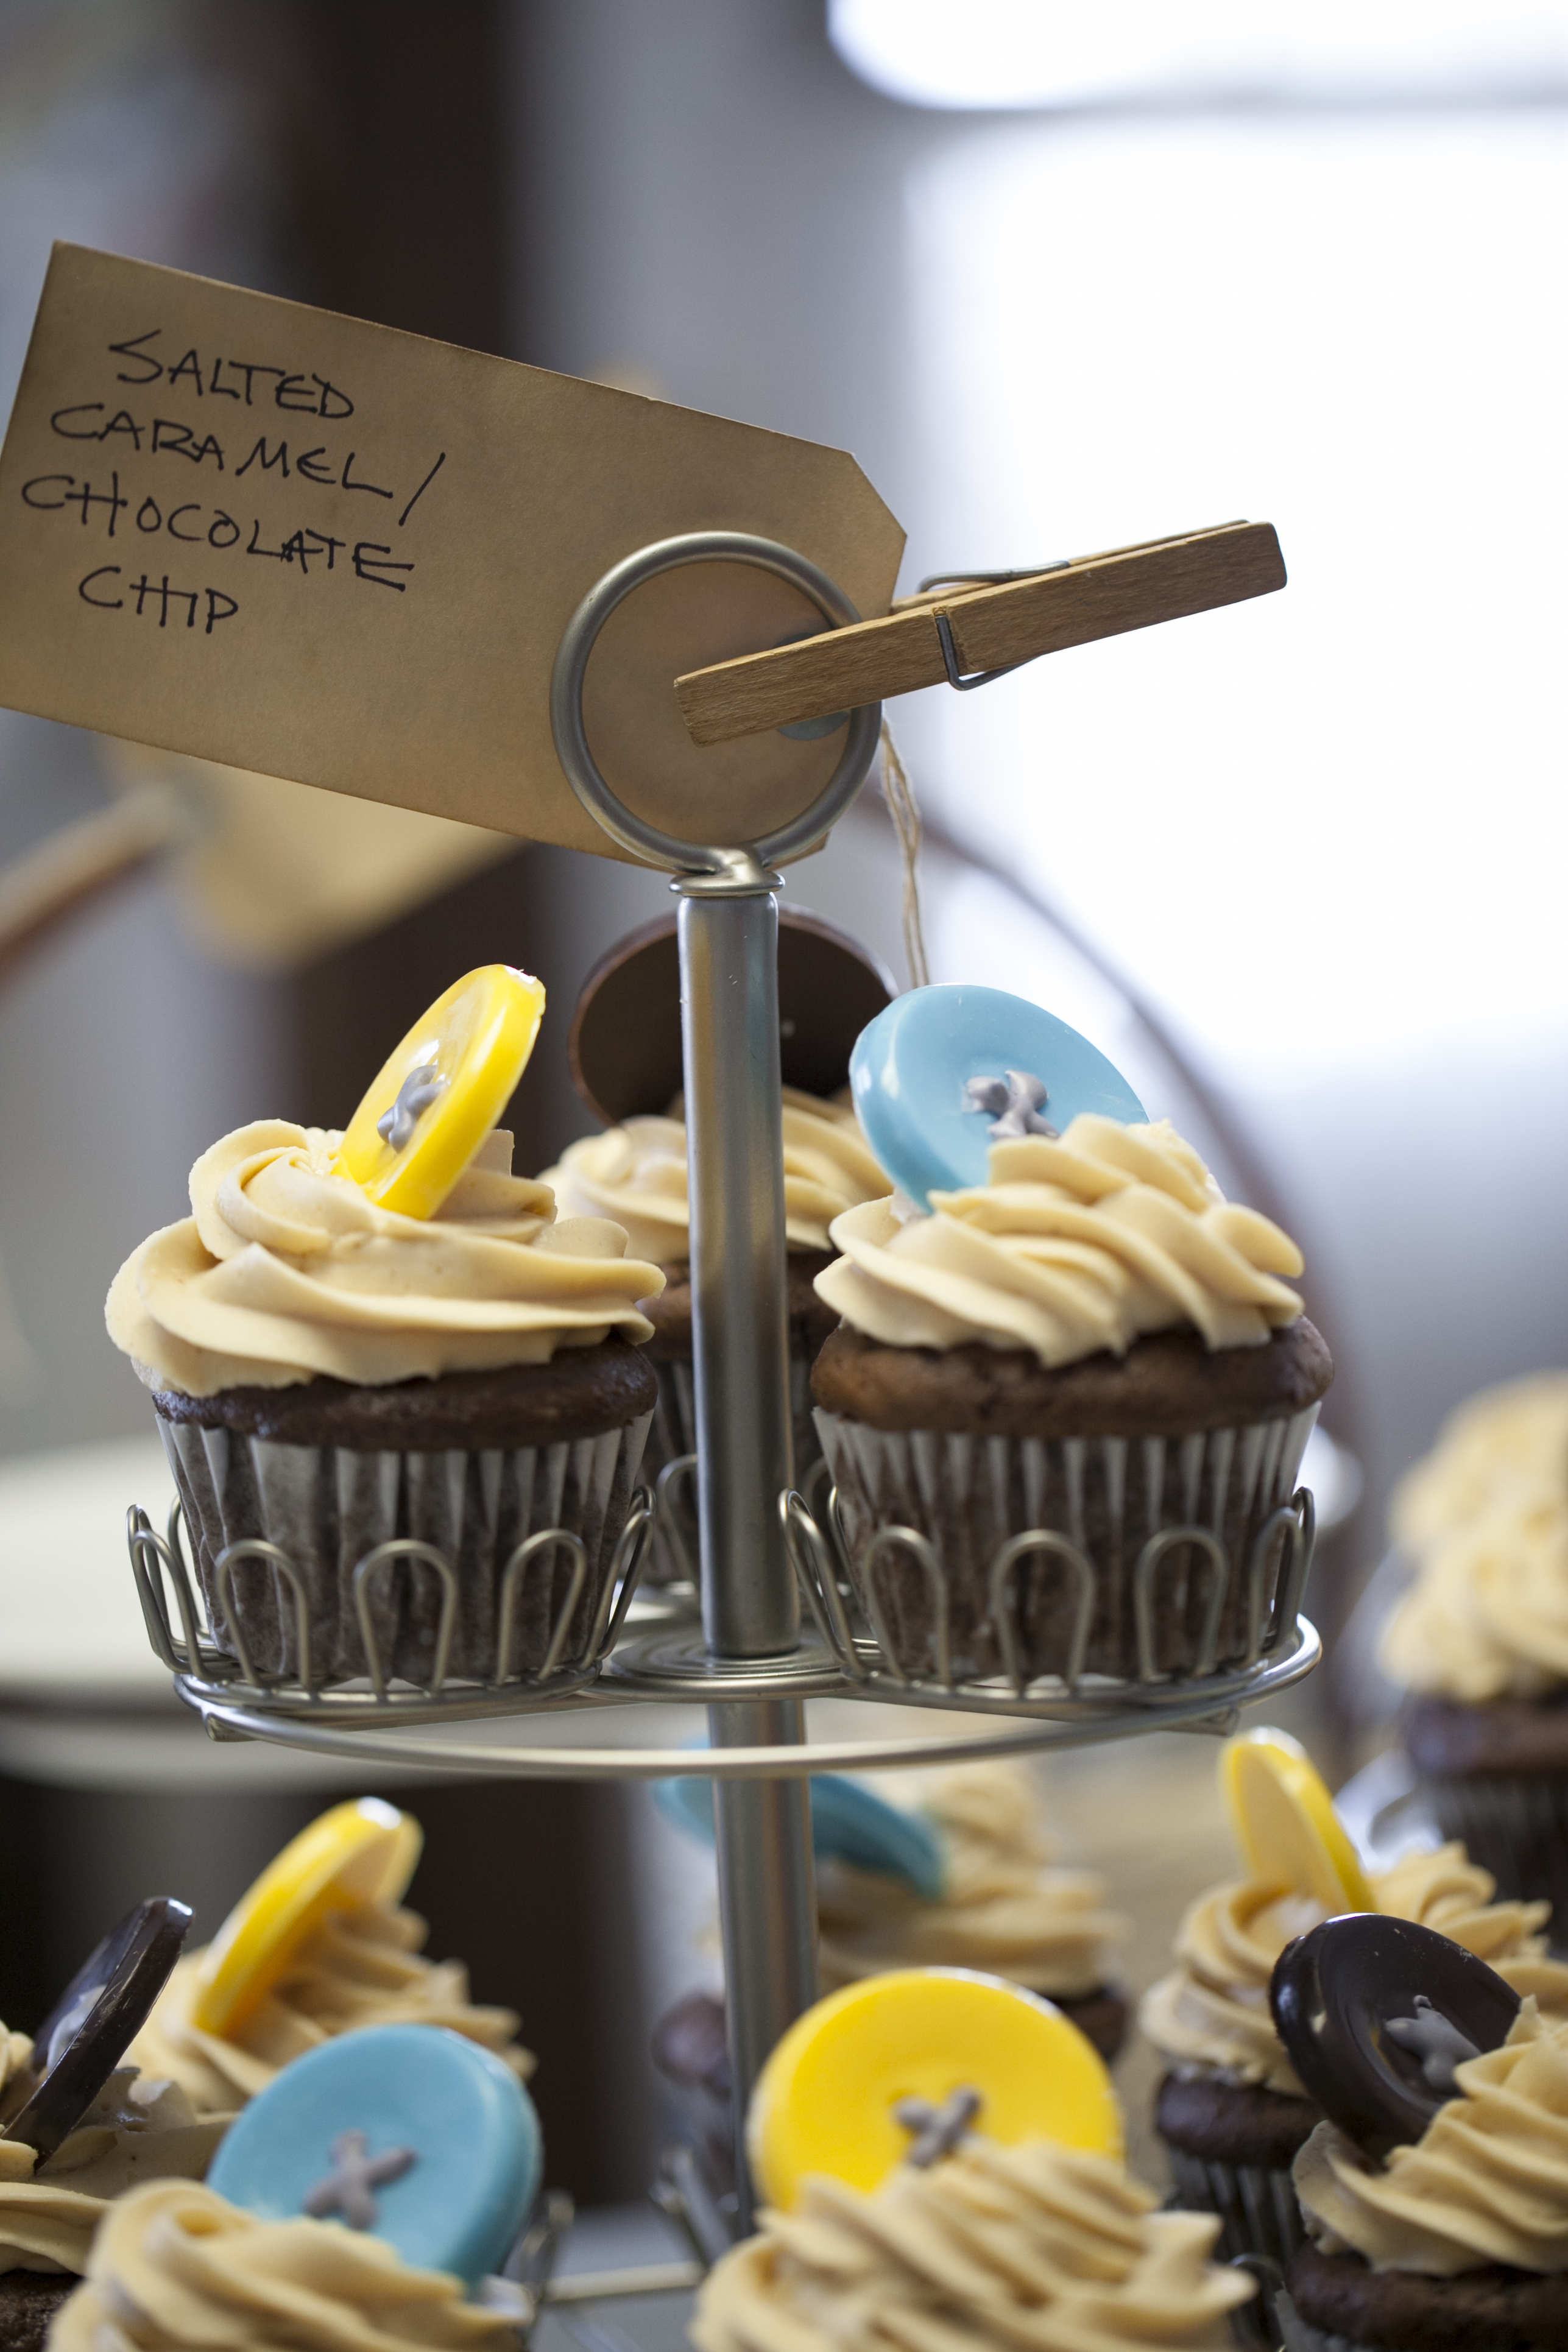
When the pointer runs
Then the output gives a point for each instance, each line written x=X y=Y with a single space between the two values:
x=1062 y=274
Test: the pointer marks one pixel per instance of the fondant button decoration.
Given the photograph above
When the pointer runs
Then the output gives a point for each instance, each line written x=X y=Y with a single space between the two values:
x=848 y=1823
x=1285 y=1822
x=861 y=2080
x=359 y=1854
x=95 y=2020
x=408 y=2131
x=1376 y=2013
x=434 y=1101
x=625 y=1043
x=947 y=1071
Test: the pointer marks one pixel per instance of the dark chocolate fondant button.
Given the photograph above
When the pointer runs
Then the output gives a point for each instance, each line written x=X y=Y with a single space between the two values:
x=1375 y=2014
x=625 y=1042
x=95 y=2020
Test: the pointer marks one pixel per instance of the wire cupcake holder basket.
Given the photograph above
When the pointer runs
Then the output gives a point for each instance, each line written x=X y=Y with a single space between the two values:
x=761 y=1549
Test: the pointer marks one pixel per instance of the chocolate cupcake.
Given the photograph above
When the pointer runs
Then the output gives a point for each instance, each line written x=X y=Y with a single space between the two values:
x=625 y=1056
x=1480 y=1640
x=1231 y=2109
x=1435 y=2199
x=351 y=1345
x=1094 y=1345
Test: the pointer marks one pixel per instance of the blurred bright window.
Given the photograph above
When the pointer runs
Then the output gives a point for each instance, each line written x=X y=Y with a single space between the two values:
x=1329 y=828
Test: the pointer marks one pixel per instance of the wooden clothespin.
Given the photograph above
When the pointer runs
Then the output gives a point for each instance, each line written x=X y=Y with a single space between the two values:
x=971 y=628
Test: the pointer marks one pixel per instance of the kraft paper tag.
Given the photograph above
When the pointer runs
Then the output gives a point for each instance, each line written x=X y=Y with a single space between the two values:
x=265 y=535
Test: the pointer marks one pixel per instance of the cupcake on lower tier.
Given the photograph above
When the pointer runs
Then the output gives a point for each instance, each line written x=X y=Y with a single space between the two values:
x=137 y=2129
x=236 y=2012
x=1435 y=2200
x=1003 y=1907
x=179 y=2269
x=1480 y=1641
x=385 y=1335
x=1033 y=2245
x=1231 y=2109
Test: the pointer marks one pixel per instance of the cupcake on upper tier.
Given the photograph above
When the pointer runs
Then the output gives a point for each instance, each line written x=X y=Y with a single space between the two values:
x=1231 y=2108
x=1480 y=1640
x=383 y=1334
x=1070 y=1332
x=626 y=1063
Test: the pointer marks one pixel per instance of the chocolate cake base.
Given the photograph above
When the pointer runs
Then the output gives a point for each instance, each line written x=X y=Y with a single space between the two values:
x=582 y=1393
x=1489 y=2310
x=28 y=2301
x=1233 y=2123
x=1168 y=1384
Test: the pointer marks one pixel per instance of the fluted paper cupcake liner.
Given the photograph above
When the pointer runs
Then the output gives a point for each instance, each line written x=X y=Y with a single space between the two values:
x=1106 y=1496
x=673 y=1556
x=1516 y=1826
x=327 y=1508
x=1259 y=2215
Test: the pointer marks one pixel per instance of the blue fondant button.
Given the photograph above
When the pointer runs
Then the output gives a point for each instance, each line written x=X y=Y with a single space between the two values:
x=947 y=1071
x=407 y=2131
x=848 y=1823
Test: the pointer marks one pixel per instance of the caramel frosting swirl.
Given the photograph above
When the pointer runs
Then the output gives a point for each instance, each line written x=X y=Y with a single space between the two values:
x=1073 y=1246
x=135 y=2130
x=1211 y=2014
x=1486 y=2182
x=176 y=2268
x=1003 y=1909
x=636 y=1173
x=1485 y=1520
x=1035 y=2248
x=287 y=1270
x=359 y=1967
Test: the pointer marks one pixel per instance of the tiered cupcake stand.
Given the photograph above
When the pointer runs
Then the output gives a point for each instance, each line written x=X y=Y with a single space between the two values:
x=764 y=1547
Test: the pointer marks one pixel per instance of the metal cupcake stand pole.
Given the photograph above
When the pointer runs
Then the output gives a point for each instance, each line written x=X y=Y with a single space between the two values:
x=761 y=1548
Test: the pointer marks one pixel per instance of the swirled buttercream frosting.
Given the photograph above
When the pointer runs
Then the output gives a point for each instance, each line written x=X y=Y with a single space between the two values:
x=1484 y=1521
x=361 y=1967
x=1211 y=2014
x=176 y=2268
x=1023 y=2247
x=635 y=1174
x=287 y=1270
x=1003 y=1907
x=1486 y=2182
x=1076 y=1245
x=136 y=2129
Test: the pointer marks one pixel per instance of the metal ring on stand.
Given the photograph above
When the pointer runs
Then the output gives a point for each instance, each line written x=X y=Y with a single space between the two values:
x=744 y=868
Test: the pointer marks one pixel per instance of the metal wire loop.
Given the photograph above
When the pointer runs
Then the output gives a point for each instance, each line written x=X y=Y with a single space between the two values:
x=743 y=867
x=255 y=1548
x=1005 y=1608
x=1158 y=1548
x=145 y=1542
x=531 y=1548
x=425 y=1555
x=883 y=1542
x=815 y=1565
x=955 y=677
x=632 y=1550
x=668 y=1512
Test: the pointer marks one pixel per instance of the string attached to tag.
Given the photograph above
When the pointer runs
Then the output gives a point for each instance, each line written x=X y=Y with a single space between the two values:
x=900 y=795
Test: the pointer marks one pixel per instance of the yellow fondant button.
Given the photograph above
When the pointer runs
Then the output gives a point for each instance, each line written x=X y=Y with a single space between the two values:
x=359 y=1854
x=1285 y=1822
x=827 y=2099
x=432 y=1105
